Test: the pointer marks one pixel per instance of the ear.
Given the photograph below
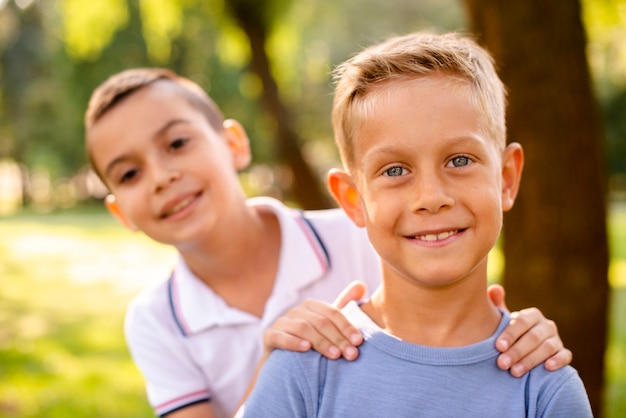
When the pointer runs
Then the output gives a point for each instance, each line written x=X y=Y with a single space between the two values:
x=117 y=213
x=512 y=165
x=238 y=142
x=343 y=190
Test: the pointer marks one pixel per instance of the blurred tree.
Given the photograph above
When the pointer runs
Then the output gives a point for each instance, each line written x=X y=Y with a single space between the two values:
x=555 y=240
x=605 y=23
x=22 y=60
x=255 y=18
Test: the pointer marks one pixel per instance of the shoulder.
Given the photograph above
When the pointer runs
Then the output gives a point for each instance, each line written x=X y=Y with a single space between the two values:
x=559 y=393
x=292 y=371
x=339 y=232
x=148 y=310
x=299 y=364
x=331 y=218
x=286 y=386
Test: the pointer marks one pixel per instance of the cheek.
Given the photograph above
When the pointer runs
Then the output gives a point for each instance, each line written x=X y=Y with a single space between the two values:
x=382 y=211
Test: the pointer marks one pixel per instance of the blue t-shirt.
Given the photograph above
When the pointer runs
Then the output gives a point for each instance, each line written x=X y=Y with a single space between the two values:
x=394 y=378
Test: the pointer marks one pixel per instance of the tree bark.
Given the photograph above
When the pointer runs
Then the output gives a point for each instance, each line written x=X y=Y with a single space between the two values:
x=307 y=187
x=555 y=240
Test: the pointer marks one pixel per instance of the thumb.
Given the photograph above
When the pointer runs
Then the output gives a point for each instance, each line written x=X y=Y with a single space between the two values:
x=354 y=291
x=496 y=294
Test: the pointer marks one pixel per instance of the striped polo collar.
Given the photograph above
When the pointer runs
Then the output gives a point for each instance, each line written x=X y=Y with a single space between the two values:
x=303 y=260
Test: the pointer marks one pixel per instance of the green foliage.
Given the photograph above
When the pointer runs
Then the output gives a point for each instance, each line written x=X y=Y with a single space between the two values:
x=605 y=23
x=88 y=27
x=161 y=22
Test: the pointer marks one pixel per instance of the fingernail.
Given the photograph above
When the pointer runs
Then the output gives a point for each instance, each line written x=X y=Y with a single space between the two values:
x=350 y=353
x=503 y=344
x=505 y=361
x=305 y=345
x=334 y=352
x=517 y=370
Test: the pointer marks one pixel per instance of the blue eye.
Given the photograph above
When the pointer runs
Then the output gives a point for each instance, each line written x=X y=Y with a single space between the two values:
x=394 y=172
x=460 y=161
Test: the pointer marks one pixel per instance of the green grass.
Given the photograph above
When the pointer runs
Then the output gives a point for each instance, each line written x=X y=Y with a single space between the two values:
x=66 y=282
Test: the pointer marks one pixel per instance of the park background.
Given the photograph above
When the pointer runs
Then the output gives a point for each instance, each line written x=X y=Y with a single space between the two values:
x=68 y=270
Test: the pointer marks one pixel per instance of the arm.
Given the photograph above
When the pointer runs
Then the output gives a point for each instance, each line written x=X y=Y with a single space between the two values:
x=201 y=410
x=529 y=340
x=173 y=379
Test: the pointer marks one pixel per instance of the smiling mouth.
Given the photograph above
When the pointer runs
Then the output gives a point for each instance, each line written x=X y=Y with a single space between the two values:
x=437 y=237
x=179 y=206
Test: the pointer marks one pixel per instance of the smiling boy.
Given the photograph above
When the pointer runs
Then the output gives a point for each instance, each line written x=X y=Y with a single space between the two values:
x=420 y=124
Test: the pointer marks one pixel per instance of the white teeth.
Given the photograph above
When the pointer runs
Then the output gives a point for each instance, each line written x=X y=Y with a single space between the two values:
x=180 y=205
x=437 y=237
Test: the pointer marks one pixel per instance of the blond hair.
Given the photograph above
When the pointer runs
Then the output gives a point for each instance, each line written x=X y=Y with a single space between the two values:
x=412 y=56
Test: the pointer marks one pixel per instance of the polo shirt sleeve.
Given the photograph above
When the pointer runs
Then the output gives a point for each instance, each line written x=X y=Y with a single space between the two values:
x=173 y=380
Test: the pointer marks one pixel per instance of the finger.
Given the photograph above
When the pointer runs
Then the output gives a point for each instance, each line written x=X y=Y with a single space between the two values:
x=324 y=326
x=354 y=291
x=521 y=323
x=546 y=350
x=296 y=334
x=496 y=294
x=539 y=343
x=273 y=338
x=331 y=329
x=561 y=359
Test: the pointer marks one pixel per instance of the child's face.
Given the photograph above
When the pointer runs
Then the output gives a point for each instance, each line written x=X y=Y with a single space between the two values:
x=171 y=174
x=430 y=182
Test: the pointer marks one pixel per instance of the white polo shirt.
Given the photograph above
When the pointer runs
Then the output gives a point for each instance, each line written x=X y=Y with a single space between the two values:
x=192 y=347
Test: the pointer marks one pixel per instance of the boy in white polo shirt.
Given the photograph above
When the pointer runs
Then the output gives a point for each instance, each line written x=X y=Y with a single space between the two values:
x=170 y=161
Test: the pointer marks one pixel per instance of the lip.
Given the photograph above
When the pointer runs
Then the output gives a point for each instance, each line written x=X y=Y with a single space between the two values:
x=180 y=206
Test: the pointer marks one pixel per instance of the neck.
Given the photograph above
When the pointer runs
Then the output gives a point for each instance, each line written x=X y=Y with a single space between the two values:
x=448 y=316
x=240 y=260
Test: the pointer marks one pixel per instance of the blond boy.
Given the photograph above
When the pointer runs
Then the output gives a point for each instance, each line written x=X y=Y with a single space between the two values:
x=420 y=124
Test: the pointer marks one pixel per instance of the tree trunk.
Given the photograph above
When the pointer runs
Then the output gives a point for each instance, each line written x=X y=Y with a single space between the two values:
x=307 y=187
x=555 y=240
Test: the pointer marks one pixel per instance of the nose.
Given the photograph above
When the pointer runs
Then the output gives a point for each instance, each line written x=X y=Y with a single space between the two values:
x=163 y=175
x=431 y=194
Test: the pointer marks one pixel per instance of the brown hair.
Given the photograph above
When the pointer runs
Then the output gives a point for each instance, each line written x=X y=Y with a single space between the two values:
x=412 y=56
x=123 y=84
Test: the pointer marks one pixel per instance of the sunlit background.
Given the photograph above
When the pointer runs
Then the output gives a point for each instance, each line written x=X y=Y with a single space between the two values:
x=68 y=270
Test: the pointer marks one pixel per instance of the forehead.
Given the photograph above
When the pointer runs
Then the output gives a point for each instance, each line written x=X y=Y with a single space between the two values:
x=417 y=114
x=137 y=118
x=419 y=103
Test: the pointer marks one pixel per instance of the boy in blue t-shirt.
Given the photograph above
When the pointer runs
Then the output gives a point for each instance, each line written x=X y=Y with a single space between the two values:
x=420 y=125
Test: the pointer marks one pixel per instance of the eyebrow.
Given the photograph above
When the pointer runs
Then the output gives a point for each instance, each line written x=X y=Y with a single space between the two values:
x=452 y=141
x=159 y=132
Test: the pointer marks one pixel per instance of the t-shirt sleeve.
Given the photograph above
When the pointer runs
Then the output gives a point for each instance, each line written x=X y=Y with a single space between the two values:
x=282 y=388
x=566 y=398
x=172 y=378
